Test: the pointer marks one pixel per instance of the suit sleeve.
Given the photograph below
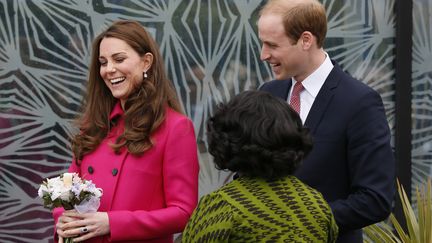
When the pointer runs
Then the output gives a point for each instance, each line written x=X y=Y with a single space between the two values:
x=371 y=167
x=180 y=185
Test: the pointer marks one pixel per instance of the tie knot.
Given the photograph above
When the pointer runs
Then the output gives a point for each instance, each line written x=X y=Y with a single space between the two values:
x=298 y=87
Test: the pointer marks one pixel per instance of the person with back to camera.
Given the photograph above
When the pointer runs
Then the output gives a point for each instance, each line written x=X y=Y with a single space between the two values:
x=262 y=139
x=134 y=143
x=352 y=163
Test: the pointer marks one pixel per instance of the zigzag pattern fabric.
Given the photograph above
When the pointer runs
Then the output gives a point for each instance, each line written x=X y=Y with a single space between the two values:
x=256 y=210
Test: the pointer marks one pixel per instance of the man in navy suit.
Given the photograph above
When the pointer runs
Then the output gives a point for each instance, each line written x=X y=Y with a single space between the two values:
x=352 y=163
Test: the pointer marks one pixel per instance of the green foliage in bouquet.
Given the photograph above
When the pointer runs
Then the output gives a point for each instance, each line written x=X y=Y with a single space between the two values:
x=419 y=227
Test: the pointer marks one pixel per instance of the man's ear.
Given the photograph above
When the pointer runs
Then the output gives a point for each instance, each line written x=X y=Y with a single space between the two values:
x=307 y=39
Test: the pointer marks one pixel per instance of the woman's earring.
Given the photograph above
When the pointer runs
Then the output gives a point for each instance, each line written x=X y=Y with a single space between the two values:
x=145 y=74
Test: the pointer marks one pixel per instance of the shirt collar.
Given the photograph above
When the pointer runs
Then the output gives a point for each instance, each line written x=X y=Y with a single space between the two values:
x=116 y=111
x=315 y=80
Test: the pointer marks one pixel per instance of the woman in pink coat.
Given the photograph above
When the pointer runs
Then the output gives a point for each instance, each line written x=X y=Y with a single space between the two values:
x=134 y=143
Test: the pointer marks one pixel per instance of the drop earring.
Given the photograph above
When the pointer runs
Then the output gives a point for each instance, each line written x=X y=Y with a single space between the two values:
x=145 y=75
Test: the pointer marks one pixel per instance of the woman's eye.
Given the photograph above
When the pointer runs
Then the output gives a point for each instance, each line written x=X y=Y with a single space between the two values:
x=102 y=63
x=119 y=59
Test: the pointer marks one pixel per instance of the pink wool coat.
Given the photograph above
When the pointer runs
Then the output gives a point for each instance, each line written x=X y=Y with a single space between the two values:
x=150 y=197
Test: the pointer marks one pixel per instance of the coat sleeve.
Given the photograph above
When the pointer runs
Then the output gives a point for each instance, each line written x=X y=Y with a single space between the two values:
x=180 y=184
x=371 y=166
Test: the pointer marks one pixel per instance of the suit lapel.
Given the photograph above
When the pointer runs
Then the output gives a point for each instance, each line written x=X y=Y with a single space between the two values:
x=322 y=101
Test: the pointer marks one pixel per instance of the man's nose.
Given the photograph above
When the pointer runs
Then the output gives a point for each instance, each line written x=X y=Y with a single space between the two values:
x=265 y=55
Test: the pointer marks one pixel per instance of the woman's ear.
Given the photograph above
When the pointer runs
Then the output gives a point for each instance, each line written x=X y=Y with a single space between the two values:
x=148 y=61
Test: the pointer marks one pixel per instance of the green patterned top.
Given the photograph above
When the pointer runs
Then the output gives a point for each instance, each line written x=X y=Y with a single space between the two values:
x=256 y=210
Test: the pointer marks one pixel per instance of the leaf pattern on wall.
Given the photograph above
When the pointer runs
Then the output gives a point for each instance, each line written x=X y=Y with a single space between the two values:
x=421 y=167
x=211 y=51
x=361 y=38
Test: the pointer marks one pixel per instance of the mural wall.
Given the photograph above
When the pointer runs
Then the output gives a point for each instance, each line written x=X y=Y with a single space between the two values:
x=211 y=52
x=422 y=92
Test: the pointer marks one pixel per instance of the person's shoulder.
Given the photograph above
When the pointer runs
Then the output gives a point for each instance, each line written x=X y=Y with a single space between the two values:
x=173 y=116
x=274 y=84
x=175 y=123
x=355 y=86
x=234 y=187
x=293 y=183
x=213 y=195
x=349 y=79
x=216 y=199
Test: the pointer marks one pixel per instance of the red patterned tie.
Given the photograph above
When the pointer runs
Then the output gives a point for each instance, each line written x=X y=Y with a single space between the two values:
x=295 y=96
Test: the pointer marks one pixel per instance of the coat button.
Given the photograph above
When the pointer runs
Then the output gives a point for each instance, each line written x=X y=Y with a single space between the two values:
x=90 y=170
x=114 y=172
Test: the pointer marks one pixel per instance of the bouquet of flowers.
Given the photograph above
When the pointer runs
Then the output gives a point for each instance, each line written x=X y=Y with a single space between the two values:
x=70 y=192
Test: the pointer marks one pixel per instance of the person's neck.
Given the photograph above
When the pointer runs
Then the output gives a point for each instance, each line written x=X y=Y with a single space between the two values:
x=314 y=61
x=122 y=104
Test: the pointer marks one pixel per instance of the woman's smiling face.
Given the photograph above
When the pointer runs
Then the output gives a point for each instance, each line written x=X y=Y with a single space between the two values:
x=121 y=67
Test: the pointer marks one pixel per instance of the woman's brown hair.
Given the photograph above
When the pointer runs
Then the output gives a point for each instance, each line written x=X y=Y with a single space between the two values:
x=144 y=109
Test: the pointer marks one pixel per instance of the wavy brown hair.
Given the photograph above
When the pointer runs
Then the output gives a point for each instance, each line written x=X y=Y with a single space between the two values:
x=145 y=107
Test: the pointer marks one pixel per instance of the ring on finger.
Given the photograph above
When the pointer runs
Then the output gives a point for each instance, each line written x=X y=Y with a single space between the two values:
x=84 y=230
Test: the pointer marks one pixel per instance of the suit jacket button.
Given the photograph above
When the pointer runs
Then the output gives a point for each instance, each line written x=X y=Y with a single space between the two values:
x=90 y=170
x=114 y=172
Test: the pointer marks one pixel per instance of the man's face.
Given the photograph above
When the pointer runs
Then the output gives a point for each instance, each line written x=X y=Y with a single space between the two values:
x=284 y=55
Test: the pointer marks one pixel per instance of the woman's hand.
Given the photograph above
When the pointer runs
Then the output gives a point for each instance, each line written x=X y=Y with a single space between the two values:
x=63 y=225
x=84 y=226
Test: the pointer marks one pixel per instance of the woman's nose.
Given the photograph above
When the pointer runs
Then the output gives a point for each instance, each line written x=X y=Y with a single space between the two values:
x=110 y=67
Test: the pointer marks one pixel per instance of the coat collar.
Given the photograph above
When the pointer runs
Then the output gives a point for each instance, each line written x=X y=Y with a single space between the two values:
x=116 y=111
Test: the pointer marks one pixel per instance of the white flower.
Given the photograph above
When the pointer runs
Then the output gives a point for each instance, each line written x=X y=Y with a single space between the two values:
x=42 y=190
x=66 y=190
x=65 y=195
x=98 y=192
x=67 y=179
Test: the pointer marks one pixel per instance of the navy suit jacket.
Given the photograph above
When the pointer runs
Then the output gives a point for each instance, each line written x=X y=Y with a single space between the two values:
x=351 y=163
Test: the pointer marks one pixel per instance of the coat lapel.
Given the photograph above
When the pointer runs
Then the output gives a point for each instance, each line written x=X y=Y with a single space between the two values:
x=323 y=99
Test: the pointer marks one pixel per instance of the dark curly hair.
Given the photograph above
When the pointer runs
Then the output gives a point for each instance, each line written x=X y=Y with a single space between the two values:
x=257 y=135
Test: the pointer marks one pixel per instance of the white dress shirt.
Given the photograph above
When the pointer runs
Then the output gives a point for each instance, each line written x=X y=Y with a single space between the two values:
x=312 y=85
